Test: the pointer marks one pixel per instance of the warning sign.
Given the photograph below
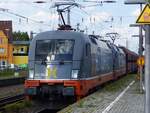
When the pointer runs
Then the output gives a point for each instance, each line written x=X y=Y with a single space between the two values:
x=141 y=61
x=144 y=17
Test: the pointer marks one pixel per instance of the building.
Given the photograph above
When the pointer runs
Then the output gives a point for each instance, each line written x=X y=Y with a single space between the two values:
x=20 y=52
x=6 y=27
x=6 y=56
x=11 y=52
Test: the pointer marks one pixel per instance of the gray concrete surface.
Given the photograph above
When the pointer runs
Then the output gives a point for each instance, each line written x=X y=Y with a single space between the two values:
x=132 y=101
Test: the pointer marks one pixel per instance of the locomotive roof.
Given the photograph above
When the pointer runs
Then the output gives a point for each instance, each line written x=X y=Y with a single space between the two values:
x=59 y=33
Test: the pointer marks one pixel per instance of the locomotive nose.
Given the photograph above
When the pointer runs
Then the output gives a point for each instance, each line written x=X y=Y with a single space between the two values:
x=56 y=90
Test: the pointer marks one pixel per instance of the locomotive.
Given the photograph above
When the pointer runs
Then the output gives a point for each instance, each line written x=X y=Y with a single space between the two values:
x=65 y=63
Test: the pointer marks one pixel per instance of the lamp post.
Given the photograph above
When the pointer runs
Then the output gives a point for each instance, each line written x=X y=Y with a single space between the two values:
x=31 y=34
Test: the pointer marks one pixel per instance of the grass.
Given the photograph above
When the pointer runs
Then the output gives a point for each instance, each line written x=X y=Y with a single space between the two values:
x=80 y=103
x=8 y=73
x=120 y=83
x=18 y=106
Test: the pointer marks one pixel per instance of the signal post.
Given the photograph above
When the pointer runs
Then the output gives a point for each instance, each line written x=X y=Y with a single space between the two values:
x=144 y=18
x=147 y=69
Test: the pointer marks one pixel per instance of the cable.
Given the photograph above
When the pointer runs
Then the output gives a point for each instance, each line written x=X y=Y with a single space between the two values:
x=20 y=24
x=21 y=16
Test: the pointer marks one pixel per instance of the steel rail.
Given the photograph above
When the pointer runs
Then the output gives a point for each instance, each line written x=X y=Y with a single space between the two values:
x=11 y=81
x=11 y=99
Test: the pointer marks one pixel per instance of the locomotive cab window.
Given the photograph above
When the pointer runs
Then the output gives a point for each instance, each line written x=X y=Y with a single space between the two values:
x=55 y=49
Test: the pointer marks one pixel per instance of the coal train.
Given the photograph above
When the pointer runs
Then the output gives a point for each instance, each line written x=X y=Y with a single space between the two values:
x=65 y=63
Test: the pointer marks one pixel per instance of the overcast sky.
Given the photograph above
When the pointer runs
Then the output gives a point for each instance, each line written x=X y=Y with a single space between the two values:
x=97 y=19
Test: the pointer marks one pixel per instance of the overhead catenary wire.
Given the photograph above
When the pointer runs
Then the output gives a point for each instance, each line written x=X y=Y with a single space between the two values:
x=29 y=26
x=21 y=16
x=53 y=22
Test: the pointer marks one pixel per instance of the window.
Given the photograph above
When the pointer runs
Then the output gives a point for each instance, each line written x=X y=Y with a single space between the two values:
x=22 y=49
x=43 y=47
x=1 y=41
x=3 y=63
x=92 y=38
x=2 y=50
x=88 y=49
x=61 y=49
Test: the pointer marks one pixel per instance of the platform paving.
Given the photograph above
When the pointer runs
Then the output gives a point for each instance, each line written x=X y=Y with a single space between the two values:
x=107 y=101
x=131 y=102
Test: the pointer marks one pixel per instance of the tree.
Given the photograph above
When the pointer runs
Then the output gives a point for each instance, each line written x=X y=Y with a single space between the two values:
x=20 y=36
x=148 y=1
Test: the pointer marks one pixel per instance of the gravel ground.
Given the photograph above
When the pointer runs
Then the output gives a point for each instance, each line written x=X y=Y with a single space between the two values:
x=34 y=107
x=11 y=90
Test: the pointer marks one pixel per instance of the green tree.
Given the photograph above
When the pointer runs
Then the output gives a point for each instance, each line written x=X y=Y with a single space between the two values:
x=148 y=1
x=20 y=36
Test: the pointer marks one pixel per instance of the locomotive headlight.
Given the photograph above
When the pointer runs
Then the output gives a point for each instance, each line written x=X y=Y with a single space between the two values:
x=75 y=74
x=31 y=74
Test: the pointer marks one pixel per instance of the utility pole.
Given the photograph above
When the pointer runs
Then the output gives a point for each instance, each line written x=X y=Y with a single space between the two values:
x=141 y=53
x=86 y=30
x=127 y=43
x=78 y=27
x=146 y=22
x=147 y=68
x=140 y=68
x=31 y=34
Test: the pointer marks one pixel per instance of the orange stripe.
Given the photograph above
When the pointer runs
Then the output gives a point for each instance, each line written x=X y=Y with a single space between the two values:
x=81 y=86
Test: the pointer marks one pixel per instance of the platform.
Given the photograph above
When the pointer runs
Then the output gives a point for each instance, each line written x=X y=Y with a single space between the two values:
x=124 y=99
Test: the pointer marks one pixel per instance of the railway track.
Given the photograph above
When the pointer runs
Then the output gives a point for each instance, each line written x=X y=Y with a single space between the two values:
x=9 y=100
x=11 y=81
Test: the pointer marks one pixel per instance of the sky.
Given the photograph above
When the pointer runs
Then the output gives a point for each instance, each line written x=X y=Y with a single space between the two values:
x=102 y=19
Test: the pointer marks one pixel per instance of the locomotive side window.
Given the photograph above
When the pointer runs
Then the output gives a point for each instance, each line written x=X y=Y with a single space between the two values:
x=88 y=49
x=93 y=41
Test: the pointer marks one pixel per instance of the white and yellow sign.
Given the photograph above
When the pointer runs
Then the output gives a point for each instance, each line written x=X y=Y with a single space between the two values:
x=144 y=17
